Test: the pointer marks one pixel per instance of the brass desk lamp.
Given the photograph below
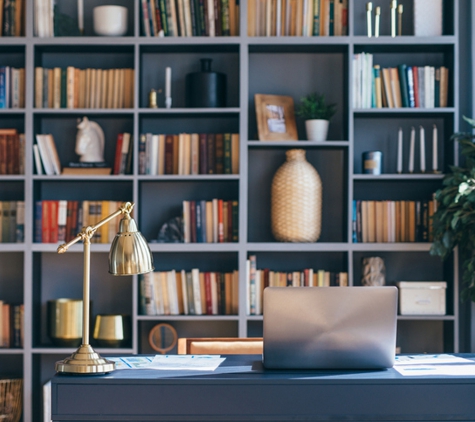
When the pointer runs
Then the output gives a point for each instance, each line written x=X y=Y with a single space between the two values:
x=129 y=254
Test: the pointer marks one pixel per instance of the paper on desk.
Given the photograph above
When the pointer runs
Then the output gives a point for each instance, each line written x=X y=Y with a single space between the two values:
x=131 y=362
x=427 y=370
x=429 y=359
x=186 y=362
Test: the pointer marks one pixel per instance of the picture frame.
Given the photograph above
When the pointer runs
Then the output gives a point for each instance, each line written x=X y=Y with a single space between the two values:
x=275 y=118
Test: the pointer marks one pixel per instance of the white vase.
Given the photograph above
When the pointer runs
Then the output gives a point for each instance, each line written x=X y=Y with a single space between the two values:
x=317 y=129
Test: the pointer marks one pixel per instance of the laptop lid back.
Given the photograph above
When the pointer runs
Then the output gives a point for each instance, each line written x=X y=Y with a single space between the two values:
x=329 y=327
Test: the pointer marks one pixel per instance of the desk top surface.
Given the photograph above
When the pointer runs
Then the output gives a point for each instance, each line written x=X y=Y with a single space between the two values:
x=249 y=369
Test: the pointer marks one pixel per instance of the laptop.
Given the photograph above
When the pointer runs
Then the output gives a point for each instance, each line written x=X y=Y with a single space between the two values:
x=329 y=327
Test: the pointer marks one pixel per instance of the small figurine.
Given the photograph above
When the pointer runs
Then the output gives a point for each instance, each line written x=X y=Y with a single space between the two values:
x=90 y=142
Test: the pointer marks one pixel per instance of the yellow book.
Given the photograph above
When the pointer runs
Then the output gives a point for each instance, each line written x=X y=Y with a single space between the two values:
x=209 y=222
x=57 y=87
x=38 y=87
x=179 y=292
x=87 y=92
x=93 y=89
x=320 y=278
x=165 y=297
x=235 y=153
x=82 y=89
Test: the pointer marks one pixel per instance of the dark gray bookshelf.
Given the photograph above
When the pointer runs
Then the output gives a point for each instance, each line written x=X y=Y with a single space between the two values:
x=33 y=273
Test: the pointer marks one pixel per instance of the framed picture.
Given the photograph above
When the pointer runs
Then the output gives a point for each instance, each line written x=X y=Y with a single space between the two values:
x=275 y=118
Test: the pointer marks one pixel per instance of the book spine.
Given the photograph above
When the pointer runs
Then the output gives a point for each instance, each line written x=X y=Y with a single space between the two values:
x=203 y=154
x=410 y=86
x=211 y=159
x=118 y=153
x=219 y=153
x=193 y=224
x=403 y=83
x=169 y=152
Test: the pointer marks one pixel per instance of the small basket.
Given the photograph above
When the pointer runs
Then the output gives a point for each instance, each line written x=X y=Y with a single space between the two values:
x=11 y=393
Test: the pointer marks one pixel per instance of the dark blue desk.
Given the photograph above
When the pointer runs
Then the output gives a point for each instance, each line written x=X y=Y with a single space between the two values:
x=241 y=390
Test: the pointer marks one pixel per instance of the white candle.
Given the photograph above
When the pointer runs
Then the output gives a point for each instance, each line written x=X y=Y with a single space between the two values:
x=399 y=151
x=81 y=16
x=423 y=149
x=434 y=148
x=411 y=150
x=168 y=82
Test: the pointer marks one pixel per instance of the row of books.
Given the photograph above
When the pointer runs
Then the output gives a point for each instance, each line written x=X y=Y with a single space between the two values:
x=72 y=87
x=257 y=280
x=12 y=152
x=12 y=87
x=192 y=292
x=393 y=221
x=12 y=18
x=190 y=18
x=12 y=221
x=123 y=154
x=189 y=153
x=400 y=86
x=215 y=221
x=44 y=18
x=297 y=18
x=59 y=221
x=11 y=325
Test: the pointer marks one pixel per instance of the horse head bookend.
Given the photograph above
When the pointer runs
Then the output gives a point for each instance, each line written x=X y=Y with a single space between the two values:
x=89 y=142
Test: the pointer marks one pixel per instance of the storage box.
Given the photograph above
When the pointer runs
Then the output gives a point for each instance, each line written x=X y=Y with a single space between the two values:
x=422 y=297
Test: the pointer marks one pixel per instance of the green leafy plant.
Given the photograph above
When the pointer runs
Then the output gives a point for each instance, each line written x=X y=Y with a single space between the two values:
x=453 y=223
x=313 y=106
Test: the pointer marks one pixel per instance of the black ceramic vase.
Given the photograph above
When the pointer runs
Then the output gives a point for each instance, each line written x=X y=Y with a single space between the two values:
x=206 y=88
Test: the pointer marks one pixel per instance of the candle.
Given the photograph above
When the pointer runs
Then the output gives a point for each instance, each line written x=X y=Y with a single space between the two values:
x=369 y=8
x=399 y=151
x=376 y=21
x=411 y=150
x=434 y=148
x=423 y=149
x=81 y=16
x=168 y=82
x=393 y=17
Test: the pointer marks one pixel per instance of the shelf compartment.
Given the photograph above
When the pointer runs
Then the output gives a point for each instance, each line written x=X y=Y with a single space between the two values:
x=12 y=119
x=12 y=365
x=359 y=18
x=306 y=67
x=11 y=277
x=183 y=60
x=262 y=165
x=157 y=212
x=395 y=190
x=380 y=133
x=61 y=276
x=187 y=328
x=437 y=336
x=64 y=129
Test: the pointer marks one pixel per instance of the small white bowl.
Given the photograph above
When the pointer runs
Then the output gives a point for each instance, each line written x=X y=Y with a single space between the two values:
x=110 y=20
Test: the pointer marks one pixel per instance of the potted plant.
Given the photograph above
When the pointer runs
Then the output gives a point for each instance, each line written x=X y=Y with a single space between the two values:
x=317 y=114
x=453 y=223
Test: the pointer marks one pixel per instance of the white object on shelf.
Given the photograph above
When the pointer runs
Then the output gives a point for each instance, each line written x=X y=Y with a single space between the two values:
x=427 y=18
x=422 y=297
x=110 y=20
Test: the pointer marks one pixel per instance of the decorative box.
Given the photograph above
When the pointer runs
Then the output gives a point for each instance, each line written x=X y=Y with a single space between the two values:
x=422 y=297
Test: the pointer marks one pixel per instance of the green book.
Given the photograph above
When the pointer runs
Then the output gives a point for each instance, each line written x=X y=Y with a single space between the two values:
x=63 y=88
x=403 y=84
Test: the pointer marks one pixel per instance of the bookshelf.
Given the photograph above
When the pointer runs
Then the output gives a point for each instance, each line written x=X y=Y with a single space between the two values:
x=33 y=273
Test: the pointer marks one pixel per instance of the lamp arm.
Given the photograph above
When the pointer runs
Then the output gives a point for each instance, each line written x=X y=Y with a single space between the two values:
x=88 y=232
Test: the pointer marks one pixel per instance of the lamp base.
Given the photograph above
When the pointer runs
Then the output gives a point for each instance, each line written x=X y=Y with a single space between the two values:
x=84 y=361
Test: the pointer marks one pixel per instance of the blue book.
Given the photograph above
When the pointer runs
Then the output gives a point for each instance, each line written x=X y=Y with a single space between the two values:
x=199 y=222
x=410 y=86
x=38 y=222
x=3 y=88
x=353 y=223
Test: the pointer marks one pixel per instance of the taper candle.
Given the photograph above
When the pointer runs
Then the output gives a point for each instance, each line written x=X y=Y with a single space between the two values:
x=393 y=17
x=377 y=19
x=434 y=148
x=369 y=8
x=411 y=150
x=399 y=19
x=423 y=149
x=168 y=87
x=81 y=16
x=399 y=151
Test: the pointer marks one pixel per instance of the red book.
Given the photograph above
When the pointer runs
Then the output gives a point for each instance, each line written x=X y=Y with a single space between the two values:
x=169 y=154
x=193 y=236
x=209 y=303
x=69 y=214
x=3 y=154
x=203 y=154
x=11 y=139
x=220 y=222
x=45 y=221
x=416 y=86
x=118 y=153
x=230 y=221
x=53 y=221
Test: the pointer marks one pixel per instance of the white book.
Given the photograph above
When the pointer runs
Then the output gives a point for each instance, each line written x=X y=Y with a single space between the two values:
x=153 y=156
x=258 y=288
x=172 y=293
x=214 y=293
x=62 y=215
x=47 y=401
x=186 y=222
x=45 y=158
x=427 y=87
x=53 y=152
x=215 y=220
x=195 y=276
x=157 y=290
x=432 y=86
x=212 y=29
x=248 y=287
x=278 y=18
x=185 y=292
x=36 y=154
x=147 y=294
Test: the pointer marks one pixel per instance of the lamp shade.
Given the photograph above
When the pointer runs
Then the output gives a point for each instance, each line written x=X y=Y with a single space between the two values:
x=129 y=253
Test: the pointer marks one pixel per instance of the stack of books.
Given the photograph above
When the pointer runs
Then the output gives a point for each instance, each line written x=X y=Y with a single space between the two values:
x=189 y=153
x=12 y=152
x=83 y=88
x=192 y=292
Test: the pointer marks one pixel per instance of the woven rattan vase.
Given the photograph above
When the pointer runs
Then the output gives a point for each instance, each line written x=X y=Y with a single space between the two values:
x=296 y=200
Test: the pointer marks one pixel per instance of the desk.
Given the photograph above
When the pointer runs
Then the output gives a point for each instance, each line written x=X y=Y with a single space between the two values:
x=241 y=390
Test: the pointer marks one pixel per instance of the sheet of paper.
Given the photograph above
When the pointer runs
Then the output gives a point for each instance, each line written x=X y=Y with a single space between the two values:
x=429 y=359
x=186 y=362
x=427 y=370
x=131 y=362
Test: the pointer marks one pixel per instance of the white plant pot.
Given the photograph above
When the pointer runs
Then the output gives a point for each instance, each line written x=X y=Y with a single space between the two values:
x=317 y=129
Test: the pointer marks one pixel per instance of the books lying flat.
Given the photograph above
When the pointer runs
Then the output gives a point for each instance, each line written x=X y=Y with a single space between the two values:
x=86 y=171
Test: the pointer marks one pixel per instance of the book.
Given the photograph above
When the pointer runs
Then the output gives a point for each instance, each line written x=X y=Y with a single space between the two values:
x=86 y=171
